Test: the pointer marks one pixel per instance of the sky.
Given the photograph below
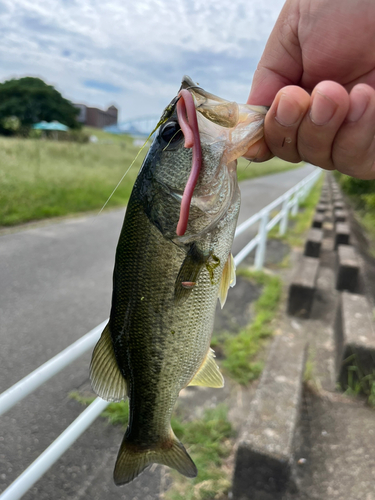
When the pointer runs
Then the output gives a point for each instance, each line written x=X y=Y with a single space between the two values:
x=133 y=53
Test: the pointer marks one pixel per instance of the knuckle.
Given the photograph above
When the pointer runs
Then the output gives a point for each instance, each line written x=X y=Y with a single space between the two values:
x=315 y=152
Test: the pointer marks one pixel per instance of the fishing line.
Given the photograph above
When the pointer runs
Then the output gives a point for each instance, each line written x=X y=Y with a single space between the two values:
x=253 y=159
x=167 y=113
x=122 y=178
x=174 y=135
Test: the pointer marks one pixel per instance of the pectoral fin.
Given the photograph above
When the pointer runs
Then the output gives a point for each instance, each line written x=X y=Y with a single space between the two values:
x=209 y=374
x=189 y=273
x=228 y=279
x=106 y=378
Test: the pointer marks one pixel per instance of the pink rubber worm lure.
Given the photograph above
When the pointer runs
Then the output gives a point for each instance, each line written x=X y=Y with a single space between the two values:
x=189 y=127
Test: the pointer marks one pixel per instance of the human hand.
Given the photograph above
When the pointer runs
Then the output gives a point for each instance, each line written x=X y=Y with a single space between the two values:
x=314 y=41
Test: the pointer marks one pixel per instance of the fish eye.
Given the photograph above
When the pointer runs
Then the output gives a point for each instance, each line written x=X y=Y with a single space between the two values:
x=171 y=132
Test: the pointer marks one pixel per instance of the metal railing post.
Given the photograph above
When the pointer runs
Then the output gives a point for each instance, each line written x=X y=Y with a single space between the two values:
x=284 y=219
x=296 y=203
x=261 y=249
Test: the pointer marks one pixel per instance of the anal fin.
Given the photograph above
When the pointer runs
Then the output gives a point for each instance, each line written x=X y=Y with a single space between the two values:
x=209 y=374
x=106 y=378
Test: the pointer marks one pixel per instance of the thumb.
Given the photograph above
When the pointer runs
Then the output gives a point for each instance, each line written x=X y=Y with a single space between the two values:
x=281 y=62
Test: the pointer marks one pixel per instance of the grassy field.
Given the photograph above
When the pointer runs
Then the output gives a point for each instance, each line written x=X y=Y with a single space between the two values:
x=45 y=178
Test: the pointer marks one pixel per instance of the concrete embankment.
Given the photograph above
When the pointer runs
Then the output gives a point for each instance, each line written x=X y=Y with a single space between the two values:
x=327 y=437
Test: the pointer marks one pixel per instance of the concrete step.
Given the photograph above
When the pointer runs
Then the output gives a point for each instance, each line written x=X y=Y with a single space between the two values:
x=342 y=234
x=322 y=207
x=340 y=205
x=355 y=338
x=340 y=215
x=313 y=243
x=318 y=220
x=302 y=287
x=265 y=454
x=347 y=268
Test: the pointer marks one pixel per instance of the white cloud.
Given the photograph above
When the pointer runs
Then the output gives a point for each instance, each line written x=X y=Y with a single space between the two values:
x=143 y=47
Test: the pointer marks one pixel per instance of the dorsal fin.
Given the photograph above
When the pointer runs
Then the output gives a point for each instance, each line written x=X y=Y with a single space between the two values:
x=208 y=374
x=106 y=378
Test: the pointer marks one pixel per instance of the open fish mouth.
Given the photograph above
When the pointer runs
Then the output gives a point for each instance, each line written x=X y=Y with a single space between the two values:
x=218 y=112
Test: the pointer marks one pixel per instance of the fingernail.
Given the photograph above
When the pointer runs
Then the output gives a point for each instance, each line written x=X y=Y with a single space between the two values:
x=357 y=110
x=322 y=109
x=287 y=113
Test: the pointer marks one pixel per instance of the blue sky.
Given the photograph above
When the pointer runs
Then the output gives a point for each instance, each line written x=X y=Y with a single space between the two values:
x=133 y=54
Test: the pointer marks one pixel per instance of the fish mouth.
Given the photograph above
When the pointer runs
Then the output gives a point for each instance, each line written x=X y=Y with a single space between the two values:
x=239 y=125
x=213 y=121
x=217 y=110
x=212 y=107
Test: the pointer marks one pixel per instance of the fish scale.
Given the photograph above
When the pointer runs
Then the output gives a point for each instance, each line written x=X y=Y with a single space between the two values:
x=158 y=336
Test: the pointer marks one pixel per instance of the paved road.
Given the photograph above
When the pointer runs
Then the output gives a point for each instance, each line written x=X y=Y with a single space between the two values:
x=56 y=286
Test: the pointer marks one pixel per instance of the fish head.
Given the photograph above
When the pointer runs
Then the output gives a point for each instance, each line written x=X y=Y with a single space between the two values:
x=226 y=131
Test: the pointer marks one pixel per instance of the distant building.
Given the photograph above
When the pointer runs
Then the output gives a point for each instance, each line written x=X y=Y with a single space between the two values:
x=95 y=117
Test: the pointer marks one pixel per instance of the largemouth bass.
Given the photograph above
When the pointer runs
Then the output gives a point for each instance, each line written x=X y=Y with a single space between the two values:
x=173 y=260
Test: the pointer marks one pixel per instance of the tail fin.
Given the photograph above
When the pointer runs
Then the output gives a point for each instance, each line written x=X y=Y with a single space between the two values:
x=132 y=461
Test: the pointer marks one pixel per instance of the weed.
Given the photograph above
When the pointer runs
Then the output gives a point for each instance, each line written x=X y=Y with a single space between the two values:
x=309 y=369
x=358 y=381
x=241 y=350
x=115 y=413
x=208 y=441
x=362 y=195
x=84 y=400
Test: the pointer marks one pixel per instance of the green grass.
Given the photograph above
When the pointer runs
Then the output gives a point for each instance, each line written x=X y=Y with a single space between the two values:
x=250 y=170
x=242 y=350
x=359 y=383
x=362 y=195
x=40 y=179
x=115 y=413
x=207 y=440
x=44 y=178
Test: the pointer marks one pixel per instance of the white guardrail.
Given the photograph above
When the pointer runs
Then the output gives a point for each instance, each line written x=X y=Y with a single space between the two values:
x=288 y=203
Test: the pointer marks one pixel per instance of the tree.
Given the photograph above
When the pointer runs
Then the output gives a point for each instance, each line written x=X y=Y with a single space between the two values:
x=30 y=100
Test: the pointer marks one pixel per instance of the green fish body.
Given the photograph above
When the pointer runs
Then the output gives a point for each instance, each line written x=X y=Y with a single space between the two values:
x=165 y=286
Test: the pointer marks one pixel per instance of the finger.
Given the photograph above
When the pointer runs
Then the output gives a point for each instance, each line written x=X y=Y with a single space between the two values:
x=283 y=120
x=258 y=152
x=329 y=107
x=281 y=62
x=354 y=145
